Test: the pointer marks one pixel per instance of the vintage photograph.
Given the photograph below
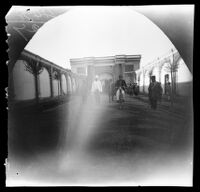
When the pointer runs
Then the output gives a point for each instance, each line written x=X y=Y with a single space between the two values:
x=100 y=95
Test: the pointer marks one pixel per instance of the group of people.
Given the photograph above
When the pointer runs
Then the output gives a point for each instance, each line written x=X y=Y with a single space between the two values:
x=118 y=88
x=133 y=88
x=111 y=89
x=156 y=91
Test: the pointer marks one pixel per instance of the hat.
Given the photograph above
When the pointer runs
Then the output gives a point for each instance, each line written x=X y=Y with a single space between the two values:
x=96 y=77
x=153 y=78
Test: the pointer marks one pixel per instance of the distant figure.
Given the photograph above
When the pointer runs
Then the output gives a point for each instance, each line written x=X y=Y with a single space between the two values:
x=168 y=91
x=96 y=89
x=120 y=83
x=110 y=89
x=154 y=93
x=130 y=89
x=136 y=89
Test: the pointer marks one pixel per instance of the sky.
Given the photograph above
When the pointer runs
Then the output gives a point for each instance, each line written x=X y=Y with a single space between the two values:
x=99 y=31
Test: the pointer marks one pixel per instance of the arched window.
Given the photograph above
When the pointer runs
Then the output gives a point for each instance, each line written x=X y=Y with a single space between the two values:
x=165 y=76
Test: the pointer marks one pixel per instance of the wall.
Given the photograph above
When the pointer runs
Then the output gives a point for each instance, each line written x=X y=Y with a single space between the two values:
x=44 y=84
x=184 y=79
x=56 y=87
x=141 y=82
x=146 y=82
x=64 y=84
x=24 y=83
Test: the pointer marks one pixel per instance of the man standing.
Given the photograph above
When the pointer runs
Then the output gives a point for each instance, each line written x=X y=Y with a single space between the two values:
x=136 y=89
x=120 y=83
x=96 y=89
x=154 y=92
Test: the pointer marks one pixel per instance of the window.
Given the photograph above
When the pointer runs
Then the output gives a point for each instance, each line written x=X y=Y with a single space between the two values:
x=129 y=68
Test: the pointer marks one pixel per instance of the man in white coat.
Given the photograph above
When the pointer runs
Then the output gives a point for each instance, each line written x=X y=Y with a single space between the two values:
x=96 y=89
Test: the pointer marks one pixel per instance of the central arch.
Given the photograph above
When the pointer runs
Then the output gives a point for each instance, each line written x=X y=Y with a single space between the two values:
x=105 y=77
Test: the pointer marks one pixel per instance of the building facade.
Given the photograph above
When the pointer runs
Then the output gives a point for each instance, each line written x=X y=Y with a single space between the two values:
x=168 y=68
x=106 y=68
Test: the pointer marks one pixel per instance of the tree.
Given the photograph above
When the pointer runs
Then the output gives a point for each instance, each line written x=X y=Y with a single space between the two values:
x=172 y=68
x=35 y=69
x=57 y=77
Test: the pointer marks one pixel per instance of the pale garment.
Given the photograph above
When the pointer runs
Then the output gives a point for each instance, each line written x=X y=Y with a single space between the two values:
x=117 y=94
x=96 y=86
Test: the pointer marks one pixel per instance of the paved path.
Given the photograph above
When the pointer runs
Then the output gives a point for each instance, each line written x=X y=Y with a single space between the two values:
x=105 y=145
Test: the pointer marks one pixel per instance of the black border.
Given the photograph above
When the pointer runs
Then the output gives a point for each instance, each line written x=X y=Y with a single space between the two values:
x=4 y=83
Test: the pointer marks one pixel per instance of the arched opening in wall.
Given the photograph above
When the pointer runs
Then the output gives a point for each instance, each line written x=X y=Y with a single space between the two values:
x=56 y=83
x=141 y=82
x=165 y=76
x=138 y=78
x=44 y=81
x=155 y=72
x=77 y=81
x=64 y=84
x=105 y=78
x=146 y=81
x=69 y=83
x=24 y=81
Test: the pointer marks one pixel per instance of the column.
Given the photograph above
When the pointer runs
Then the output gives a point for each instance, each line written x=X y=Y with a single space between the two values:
x=159 y=73
x=60 y=77
x=143 y=80
x=51 y=80
x=123 y=69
